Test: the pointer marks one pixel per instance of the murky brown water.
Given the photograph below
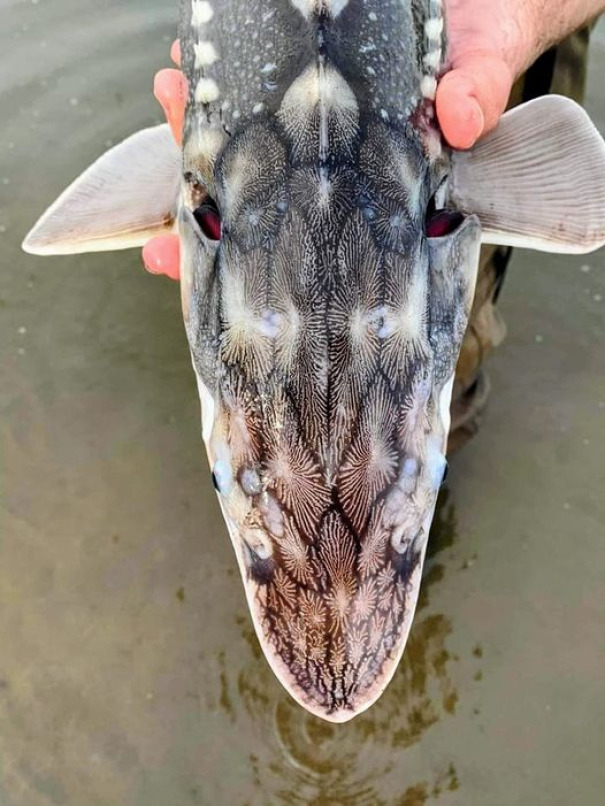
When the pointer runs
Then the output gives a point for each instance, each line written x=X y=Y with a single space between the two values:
x=129 y=672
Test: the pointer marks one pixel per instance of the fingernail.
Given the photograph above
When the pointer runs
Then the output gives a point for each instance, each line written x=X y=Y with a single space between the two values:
x=164 y=85
x=161 y=90
x=170 y=90
x=472 y=120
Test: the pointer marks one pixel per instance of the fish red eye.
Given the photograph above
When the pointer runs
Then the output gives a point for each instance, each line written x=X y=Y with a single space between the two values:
x=442 y=222
x=208 y=218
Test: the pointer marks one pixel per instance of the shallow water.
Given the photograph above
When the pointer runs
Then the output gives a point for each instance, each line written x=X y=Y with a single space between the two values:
x=129 y=672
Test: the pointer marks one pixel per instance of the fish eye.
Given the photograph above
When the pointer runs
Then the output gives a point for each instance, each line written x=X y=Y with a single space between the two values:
x=442 y=222
x=439 y=221
x=208 y=219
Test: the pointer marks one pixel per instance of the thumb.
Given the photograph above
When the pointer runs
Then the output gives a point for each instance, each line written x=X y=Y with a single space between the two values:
x=472 y=97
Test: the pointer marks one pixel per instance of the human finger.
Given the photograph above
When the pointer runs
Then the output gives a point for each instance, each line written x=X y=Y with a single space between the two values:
x=162 y=255
x=170 y=89
x=175 y=52
x=472 y=97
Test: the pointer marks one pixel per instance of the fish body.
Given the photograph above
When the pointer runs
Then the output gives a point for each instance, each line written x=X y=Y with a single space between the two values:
x=329 y=245
x=324 y=325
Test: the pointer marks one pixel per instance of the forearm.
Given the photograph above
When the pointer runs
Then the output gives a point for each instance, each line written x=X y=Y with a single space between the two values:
x=547 y=22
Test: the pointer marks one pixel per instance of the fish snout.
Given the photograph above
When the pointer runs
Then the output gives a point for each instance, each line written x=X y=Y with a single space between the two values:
x=333 y=615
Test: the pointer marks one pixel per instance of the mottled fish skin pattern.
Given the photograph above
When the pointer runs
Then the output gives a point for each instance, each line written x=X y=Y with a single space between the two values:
x=324 y=326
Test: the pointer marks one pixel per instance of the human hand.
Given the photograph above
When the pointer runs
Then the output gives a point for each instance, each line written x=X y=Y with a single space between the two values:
x=162 y=254
x=491 y=43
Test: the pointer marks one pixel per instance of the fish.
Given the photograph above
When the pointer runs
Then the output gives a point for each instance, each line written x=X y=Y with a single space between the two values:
x=329 y=252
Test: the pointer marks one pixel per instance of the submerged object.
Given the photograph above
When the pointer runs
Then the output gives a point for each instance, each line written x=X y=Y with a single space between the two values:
x=330 y=247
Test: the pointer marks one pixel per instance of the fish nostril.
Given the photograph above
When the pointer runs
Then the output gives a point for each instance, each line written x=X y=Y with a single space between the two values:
x=208 y=218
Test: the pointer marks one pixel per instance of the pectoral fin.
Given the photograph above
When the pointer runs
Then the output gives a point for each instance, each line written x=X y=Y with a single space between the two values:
x=126 y=197
x=538 y=180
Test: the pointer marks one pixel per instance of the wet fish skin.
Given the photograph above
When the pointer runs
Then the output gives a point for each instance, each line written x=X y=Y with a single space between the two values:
x=324 y=326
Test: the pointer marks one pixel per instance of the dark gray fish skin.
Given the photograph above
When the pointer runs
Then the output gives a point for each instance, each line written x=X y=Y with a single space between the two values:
x=324 y=326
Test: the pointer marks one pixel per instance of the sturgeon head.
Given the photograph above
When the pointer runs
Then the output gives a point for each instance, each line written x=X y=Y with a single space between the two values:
x=324 y=325
x=329 y=253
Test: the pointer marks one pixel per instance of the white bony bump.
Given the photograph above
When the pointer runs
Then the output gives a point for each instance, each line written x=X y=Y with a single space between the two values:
x=433 y=28
x=428 y=87
x=205 y=54
x=201 y=12
x=206 y=91
x=432 y=60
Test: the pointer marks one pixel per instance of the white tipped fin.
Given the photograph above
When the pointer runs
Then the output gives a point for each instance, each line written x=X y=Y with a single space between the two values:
x=538 y=180
x=125 y=198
